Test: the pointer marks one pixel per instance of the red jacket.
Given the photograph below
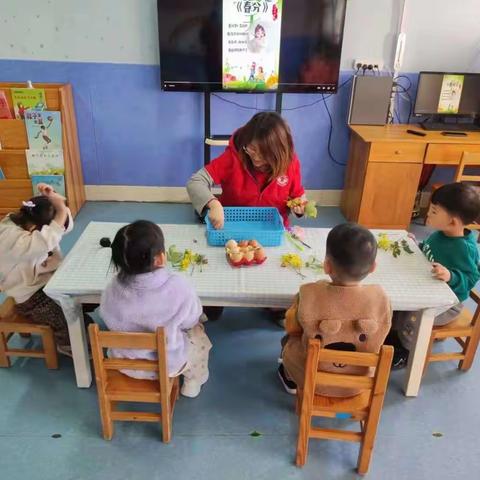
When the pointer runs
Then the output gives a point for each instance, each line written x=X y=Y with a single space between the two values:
x=240 y=188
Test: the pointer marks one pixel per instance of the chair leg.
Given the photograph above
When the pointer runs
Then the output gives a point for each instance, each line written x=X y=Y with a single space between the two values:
x=167 y=407
x=369 y=433
x=304 y=426
x=471 y=345
x=427 y=356
x=4 y=360
x=302 y=444
x=174 y=394
x=106 y=416
x=50 y=349
x=298 y=402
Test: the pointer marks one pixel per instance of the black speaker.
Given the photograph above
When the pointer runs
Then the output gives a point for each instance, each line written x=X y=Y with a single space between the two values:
x=370 y=100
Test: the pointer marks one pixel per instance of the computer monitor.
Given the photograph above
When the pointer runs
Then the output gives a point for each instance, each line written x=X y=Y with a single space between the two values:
x=441 y=93
x=451 y=100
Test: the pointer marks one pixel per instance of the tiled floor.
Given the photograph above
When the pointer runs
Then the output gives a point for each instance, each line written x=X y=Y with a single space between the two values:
x=211 y=434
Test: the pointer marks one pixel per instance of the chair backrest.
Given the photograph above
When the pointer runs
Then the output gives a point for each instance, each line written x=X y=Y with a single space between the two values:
x=380 y=362
x=7 y=310
x=469 y=159
x=136 y=341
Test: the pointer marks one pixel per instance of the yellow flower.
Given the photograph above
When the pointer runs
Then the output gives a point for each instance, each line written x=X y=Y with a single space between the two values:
x=185 y=263
x=383 y=242
x=293 y=260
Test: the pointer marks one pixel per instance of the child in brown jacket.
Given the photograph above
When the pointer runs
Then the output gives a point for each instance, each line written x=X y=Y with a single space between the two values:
x=342 y=314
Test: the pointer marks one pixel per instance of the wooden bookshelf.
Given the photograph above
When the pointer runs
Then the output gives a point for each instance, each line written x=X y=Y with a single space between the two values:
x=13 y=139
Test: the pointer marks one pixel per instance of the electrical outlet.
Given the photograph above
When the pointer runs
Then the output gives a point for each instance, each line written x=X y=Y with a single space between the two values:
x=362 y=64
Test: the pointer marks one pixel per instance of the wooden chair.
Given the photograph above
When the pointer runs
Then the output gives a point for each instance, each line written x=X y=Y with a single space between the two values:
x=365 y=407
x=468 y=159
x=113 y=386
x=465 y=330
x=10 y=323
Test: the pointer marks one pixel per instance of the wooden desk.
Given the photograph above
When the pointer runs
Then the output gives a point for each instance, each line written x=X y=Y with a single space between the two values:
x=384 y=168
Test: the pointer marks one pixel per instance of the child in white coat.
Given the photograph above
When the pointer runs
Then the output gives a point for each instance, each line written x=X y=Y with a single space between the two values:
x=30 y=254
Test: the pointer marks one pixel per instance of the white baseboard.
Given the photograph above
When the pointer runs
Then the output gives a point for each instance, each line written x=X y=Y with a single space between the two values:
x=125 y=193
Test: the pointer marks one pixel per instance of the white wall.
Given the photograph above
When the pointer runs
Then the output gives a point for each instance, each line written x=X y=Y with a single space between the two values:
x=116 y=31
x=441 y=34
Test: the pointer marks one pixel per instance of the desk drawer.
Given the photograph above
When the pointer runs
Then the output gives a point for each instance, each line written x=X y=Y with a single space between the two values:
x=403 y=152
x=448 y=154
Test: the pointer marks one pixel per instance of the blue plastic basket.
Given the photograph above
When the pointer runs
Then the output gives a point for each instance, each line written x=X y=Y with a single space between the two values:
x=263 y=224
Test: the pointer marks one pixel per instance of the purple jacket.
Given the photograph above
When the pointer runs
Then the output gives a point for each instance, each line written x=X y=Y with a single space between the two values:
x=150 y=300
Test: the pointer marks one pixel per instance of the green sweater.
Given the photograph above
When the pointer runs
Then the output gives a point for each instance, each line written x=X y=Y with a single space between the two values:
x=459 y=255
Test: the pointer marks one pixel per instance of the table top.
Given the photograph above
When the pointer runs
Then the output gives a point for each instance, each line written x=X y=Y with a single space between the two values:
x=398 y=133
x=407 y=280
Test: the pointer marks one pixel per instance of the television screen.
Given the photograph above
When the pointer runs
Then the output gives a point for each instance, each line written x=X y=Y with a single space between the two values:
x=250 y=46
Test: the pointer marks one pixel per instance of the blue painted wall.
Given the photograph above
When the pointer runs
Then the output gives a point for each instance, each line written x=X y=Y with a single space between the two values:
x=132 y=133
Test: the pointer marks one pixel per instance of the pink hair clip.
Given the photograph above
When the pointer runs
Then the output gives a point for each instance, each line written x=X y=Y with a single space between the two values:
x=28 y=204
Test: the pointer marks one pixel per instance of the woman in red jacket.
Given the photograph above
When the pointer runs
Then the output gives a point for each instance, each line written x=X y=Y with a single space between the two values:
x=259 y=168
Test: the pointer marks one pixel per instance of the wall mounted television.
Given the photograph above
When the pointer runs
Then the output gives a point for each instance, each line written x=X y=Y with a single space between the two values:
x=288 y=46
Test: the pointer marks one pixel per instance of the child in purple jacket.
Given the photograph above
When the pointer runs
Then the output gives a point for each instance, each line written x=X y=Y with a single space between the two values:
x=145 y=295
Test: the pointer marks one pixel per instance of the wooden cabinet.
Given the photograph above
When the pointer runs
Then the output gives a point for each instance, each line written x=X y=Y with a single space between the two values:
x=384 y=168
x=13 y=140
x=389 y=194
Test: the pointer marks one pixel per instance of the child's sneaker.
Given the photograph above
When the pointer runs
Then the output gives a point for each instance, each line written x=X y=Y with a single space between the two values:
x=190 y=389
x=65 y=350
x=289 y=385
x=400 y=358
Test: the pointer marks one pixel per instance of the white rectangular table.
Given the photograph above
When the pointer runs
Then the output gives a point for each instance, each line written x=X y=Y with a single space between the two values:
x=86 y=271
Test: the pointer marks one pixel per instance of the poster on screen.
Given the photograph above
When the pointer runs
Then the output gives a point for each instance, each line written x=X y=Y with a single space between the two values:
x=251 y=37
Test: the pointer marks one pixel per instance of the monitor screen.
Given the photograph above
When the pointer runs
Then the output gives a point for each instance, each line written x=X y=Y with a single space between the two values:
x=441 y=93
x=250 y=46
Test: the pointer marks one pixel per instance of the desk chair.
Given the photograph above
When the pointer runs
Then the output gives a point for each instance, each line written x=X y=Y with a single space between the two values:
x=113 y=386
x=10 y=323
x=365 y=407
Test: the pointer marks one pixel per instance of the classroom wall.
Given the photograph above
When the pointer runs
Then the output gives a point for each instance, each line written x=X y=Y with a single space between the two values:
x=132 y=133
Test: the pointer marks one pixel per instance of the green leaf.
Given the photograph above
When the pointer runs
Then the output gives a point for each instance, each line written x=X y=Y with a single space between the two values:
x=297 y=245
x=255 y=434
x=311 y=209
x=174 y=256
x=406 y=247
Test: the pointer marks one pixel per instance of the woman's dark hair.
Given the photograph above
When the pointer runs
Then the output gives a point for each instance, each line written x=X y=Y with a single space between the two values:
x=272 y=136
x=460 y=200
x=352 y=249
x=134 y=248
x=38 y=211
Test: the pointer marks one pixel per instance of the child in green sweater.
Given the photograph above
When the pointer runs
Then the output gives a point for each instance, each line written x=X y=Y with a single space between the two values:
x=452 y=249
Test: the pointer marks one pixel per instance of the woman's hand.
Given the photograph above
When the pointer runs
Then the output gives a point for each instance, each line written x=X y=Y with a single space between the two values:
x=297 y=205
x=216 y=214
x=299 y=210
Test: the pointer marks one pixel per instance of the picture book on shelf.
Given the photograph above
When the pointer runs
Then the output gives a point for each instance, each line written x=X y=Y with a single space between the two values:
x=5 y=112
x=44 y=130
x=24 y=99
x=45 y=162
x=55 y=181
